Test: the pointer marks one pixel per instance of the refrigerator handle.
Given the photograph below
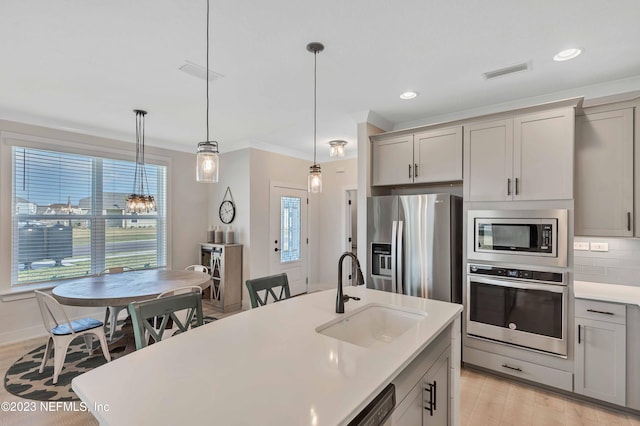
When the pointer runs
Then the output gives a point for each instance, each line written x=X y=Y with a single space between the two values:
x=399 y=260
x=394 y=230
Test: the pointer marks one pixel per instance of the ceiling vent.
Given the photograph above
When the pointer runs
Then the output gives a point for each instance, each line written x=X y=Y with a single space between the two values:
x=199 y=71
x=504 y=71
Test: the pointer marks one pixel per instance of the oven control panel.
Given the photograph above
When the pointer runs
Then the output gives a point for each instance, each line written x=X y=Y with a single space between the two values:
x=522 y=274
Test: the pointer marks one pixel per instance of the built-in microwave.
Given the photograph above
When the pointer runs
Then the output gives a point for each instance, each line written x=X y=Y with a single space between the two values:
x=518 y=236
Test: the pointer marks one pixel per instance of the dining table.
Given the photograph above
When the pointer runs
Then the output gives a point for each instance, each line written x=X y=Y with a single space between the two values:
x=123 y=288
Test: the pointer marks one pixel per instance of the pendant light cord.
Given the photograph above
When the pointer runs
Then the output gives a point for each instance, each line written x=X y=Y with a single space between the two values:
x=315 y=103
x=207 y=77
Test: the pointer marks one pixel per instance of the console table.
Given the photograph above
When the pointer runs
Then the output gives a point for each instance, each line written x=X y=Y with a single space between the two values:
x=225 y=263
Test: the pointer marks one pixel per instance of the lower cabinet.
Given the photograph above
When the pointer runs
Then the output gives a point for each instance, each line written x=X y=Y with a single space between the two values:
x=600 y=351
x=633 y=357
x=428 y=403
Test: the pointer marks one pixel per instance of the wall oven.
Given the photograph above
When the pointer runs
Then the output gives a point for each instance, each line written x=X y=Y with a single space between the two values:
x=537 y=237
x=526 y=308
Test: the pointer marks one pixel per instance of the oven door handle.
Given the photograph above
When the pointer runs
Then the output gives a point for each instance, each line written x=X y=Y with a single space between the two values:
x=555 y=288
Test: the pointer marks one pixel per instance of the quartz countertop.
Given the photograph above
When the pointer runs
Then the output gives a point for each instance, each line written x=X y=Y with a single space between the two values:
x=264 y=366
x=607 y=292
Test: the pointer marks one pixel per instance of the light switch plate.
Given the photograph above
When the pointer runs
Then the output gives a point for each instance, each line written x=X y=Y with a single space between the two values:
x=581 y=245
x=599 y=246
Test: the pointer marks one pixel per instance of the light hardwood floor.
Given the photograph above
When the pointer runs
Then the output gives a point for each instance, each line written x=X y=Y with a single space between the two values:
x=489 y=400
x=484 y=400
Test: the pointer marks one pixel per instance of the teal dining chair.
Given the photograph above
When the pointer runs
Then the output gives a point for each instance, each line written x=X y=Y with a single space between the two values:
x=267 y=286
x=150 y=318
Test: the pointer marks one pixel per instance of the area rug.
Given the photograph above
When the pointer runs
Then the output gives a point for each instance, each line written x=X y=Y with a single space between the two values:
x=23 y=379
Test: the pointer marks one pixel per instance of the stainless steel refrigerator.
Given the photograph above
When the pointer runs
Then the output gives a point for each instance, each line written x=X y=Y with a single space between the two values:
x=414 y=245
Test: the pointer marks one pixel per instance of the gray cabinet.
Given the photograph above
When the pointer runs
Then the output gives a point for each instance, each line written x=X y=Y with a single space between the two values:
x=427 y=157
x=600 y=350
x=225 y=264
x=392 y=161
x=633 y=357
x=437 y=155
x=604 y=174
x=426 y=390
x=428 y=403
x=526 y=157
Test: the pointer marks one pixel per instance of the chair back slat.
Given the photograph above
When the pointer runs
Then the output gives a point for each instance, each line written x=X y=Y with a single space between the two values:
x=53 y=313
x=199 y=268
x=144 y=314
x=267 y=285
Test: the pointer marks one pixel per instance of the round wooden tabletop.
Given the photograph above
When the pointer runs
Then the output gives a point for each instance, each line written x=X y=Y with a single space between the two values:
x=124 y=288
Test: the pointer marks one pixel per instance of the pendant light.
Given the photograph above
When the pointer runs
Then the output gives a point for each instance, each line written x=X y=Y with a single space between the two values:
x=207 y=166
x=139 y=201
x=315 y=174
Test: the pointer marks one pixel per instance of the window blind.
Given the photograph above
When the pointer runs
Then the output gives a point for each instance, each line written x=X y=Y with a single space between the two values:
x=69 y=217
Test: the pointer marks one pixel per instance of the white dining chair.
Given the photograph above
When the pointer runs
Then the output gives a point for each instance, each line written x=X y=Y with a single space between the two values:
x=199 y=268
x=62 y=332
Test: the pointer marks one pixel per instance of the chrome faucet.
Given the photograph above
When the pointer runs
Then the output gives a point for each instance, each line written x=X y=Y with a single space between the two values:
x=340 y=298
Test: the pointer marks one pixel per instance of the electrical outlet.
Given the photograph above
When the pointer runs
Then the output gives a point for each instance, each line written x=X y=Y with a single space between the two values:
x=599 y=246
x=581 y=245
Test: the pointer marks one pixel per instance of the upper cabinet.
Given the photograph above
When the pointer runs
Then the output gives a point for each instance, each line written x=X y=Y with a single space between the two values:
x=604 y=174
x=426 y=157
x=527 y=157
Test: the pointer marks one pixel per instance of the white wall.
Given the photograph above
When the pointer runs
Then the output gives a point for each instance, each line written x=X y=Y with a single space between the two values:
x=337 y=178
x=266 y=168
x=187 y=218
x=234 y=173
x=249 y=173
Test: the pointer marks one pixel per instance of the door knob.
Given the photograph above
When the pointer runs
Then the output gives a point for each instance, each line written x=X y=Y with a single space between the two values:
x=276 y=249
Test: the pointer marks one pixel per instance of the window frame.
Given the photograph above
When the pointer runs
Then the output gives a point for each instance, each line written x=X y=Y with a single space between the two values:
x=78 y=144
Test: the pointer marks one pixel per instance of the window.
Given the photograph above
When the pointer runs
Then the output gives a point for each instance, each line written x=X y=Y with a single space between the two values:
x=290 y=229
x=69 y=218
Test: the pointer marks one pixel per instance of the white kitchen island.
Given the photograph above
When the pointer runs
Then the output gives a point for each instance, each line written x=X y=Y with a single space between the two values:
x=269 y=366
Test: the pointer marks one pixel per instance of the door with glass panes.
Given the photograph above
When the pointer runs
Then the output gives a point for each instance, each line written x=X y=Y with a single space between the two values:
x=288 y=235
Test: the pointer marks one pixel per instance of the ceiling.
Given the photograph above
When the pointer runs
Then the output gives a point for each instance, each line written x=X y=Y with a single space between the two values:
x=84 y=65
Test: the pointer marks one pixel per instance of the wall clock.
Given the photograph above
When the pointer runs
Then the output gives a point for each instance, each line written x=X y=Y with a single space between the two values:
x=227 y=211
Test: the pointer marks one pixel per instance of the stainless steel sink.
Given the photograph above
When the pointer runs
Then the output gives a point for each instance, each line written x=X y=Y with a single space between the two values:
x=373 y=323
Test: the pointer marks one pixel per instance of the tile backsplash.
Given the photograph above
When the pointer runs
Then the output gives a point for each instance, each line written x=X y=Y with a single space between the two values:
x=619 y=265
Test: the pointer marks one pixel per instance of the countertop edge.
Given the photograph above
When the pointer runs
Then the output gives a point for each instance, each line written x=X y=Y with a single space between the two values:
x=614 y=293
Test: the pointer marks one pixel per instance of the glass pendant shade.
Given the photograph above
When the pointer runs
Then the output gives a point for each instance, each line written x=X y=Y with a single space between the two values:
x=207 y=162
x=337 y=148
x=315 y=179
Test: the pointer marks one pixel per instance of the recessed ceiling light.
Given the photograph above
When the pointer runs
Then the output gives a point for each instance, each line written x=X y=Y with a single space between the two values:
x=567 y=54
x=408 y=95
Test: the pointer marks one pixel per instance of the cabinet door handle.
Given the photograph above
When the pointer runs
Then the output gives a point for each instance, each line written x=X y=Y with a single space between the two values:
x=508 y=186
x=579 y=334
x=435 y=395
x=431 y=405
x=628 y=221
x=600 y=312
x=512 y=368
x=415 y=169
x=410 y=171
x=517 y=186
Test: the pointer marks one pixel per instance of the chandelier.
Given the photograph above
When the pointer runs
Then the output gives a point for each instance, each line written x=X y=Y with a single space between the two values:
x=139 y=201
